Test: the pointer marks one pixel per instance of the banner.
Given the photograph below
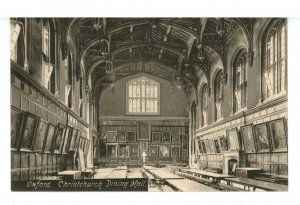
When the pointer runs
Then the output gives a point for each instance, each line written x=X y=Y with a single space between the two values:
x=138 y=184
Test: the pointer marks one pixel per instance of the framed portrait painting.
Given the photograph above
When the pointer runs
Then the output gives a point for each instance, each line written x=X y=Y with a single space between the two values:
x=131 y=136
x=203 y=147
x=40 y=137
x=261 y=137
x=134 y=150
x=175 y=151
x=112 y=151
x=278 y=135
x=58 y=138
x=164 y=151
x=111 y=136
x=15 y=123
x=175 y=137
x=121 y=137
x=49 y=140
x=29 y=127
x=124 y=150
x=166 y=137
x=143 y=147
x=233 y=137
x=76 y=143
x=156 y=136
x=66 y=143
x=153 y=150
x=223 y=143
x=73 y=139
x=217 y=146
x=248 y=138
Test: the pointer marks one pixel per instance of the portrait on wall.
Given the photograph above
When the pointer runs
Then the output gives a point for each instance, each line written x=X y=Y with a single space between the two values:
x=166 y=136
x=143 y=147
x=73 y=139
x=76 y=144
x=68 y=134
x=185 y=137
x=58 y=138
x=124 y=150
x=111 y=136
x=131 y=136
x=40 y=137
x=278 y=135
x=28 y=131
x=49 y=139
x=261 y=137
x=211 y=146
x=185 y=153
x=224 y=143
x=121 y=136
x=134 y=150
x=232 y=136
x=175 y=151
x=164 y=151
x=203 y=147
x=86 y=147
x=112 y=151
x=198 y=146
x=153 y=150
x=248 y=138
x=175 y=137
x=208 y=147
x=15 y=123
x=156 y=136
x=184 y=146
x=217 y=146
x=144 y=130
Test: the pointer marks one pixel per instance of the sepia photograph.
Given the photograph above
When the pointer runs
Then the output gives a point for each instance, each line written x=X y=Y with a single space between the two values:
x=169 y=104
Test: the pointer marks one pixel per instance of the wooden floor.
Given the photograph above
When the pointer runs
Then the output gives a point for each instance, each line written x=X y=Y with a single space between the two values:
x=185 y=185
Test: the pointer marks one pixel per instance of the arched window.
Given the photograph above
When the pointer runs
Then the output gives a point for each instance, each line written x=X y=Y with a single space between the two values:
x=274 y=60
x=218 y=95
x=17 y=43
x=69 y=80
x=143 y=96
x=204 y=105
x=48 y=51
x=240 y=82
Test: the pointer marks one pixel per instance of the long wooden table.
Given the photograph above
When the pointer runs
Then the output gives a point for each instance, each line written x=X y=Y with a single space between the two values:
x=162 y=174
x=117 y=174
x=150 y=168
x=186 y=185
x=214 y=176
x=70 y=174
x=246 y=182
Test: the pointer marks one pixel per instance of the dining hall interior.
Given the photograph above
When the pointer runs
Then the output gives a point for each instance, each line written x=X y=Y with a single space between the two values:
x=190 y=104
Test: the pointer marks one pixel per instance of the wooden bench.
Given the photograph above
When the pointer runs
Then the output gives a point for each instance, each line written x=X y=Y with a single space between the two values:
x=280 y=179
x=208 y=182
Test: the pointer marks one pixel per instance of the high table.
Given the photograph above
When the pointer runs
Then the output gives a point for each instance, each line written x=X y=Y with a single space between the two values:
x=247 y=172
x=246 y=182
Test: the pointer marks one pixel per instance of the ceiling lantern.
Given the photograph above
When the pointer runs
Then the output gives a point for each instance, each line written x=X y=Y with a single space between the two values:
x=104 y=47
x=201 y=56
x=97 y=24
x=188 y=70
x=220 y=27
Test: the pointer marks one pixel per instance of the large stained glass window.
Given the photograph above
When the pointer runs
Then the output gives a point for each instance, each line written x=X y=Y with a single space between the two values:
x=143 y=96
